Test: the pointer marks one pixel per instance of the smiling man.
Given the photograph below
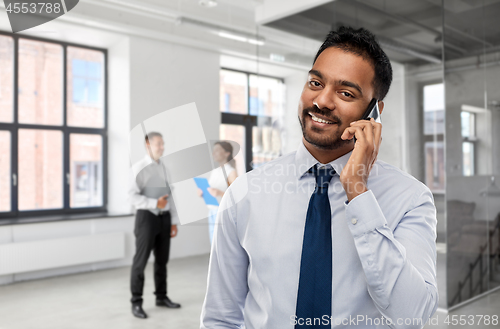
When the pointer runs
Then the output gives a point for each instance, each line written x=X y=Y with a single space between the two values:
x=327 y=236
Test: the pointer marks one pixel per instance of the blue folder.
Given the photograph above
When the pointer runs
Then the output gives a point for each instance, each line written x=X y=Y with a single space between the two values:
x=202 y=183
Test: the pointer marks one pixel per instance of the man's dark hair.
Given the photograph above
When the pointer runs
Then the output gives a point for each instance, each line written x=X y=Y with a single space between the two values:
x=152 y=134
x=362 y=43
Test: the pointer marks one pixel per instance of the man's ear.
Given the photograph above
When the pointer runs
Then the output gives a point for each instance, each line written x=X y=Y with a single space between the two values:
x=380 y=106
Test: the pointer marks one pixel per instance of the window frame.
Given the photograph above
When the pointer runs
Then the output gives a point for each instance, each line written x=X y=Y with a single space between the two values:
x=247 y=120
x=14 y=126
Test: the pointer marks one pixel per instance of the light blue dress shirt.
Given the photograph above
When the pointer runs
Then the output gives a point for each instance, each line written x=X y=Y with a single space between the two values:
x=383 y=243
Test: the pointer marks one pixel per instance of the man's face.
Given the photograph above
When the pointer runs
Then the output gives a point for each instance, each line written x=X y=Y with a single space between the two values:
x=156 y=147
x=338 y=90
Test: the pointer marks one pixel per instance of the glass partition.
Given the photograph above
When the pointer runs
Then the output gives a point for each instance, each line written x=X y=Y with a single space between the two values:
x=472 y=116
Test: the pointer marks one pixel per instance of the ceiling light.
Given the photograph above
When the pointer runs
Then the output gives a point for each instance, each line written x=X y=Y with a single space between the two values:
x=208 y=3
x=223 y=32
x=232 y=36
x=256 y=42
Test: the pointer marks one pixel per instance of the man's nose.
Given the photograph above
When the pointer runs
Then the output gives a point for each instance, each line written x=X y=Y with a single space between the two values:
x=325 y=99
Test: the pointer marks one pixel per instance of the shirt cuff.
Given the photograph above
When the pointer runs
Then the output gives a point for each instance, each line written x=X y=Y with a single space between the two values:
x=363 y=214
x=174 y=220
x=152 y=203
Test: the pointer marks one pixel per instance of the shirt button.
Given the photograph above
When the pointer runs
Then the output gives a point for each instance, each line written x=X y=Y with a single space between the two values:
x=354 y=221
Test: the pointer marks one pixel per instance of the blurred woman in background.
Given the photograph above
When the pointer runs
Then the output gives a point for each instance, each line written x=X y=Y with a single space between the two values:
x=222 y=154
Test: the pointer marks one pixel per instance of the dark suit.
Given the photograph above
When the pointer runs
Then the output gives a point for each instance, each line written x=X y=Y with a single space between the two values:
x=152 y=233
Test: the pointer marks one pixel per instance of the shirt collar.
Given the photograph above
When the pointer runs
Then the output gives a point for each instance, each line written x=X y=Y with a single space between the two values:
x=304 y=161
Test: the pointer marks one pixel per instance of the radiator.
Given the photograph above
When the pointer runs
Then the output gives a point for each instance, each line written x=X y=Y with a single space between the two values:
x=47 y=254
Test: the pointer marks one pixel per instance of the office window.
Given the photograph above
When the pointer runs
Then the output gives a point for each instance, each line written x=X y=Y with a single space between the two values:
x=227 y=102
x=6 y=78
x=85 y=87
x=252 y=107
x=266 y=96
x=52 y=127
x=256 y=105
x=433 y=100
x=434 y=166
x=86 y=81
x=468 y=158
x=40 y=168
x=40 y=90
x=434 y=109
x=5 y=161
x=85 y=170
x=468 y=122
x=233 y=91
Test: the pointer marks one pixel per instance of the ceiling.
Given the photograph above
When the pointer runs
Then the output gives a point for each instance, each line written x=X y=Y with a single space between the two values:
x=410 y=31
x=189 y=23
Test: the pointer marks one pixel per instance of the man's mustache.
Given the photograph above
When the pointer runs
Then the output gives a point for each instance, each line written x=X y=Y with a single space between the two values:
x=327 y=114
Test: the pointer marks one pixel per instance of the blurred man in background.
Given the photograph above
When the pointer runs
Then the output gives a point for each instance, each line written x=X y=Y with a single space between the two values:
x=155 y=223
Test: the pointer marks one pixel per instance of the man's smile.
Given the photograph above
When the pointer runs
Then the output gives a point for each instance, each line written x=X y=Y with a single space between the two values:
x=320 y=121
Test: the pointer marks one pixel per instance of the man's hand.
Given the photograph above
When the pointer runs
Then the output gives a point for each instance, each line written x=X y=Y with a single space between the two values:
x=173 y=231
x=162 y=201
x=354 y=176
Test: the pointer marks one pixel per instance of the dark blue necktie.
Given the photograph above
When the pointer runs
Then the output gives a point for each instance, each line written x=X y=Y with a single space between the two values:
x=314 y=298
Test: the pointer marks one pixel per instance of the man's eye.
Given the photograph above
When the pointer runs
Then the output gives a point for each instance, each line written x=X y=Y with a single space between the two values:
x=315 y=83
x=347 y=94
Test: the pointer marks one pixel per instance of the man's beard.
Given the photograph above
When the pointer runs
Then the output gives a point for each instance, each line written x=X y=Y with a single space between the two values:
x=325 y=142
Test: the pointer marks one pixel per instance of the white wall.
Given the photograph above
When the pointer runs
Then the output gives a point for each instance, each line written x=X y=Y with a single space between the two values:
x=66 y=229
x=118 y=123
x=164 y=76
x=6 y=237
x=293 y=133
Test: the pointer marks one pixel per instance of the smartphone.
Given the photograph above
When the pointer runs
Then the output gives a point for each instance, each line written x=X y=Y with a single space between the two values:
x=372 y=111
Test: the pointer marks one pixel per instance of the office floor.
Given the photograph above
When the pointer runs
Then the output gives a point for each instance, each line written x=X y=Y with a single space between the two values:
x=99 y=300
